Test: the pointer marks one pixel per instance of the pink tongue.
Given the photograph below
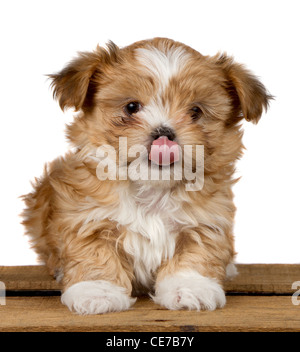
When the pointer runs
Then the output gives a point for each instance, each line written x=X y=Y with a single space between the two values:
x=163 y=151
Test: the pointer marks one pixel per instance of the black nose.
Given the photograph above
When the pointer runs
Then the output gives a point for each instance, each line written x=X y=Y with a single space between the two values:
x=163 y=131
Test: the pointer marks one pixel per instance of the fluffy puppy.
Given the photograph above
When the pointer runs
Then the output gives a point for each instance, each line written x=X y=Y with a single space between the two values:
x=99 y=223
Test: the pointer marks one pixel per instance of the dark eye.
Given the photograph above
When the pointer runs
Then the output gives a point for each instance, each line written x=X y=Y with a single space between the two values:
x=196 y=113
x=132 y=108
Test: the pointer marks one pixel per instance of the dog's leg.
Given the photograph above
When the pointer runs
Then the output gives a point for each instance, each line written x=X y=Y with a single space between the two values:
x=192 y=279
x=96 y=276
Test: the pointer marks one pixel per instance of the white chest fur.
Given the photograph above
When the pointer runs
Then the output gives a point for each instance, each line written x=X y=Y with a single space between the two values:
x=153 y=219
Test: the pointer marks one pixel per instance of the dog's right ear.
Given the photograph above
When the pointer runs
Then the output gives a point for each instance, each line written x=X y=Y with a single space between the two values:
x=74 y=86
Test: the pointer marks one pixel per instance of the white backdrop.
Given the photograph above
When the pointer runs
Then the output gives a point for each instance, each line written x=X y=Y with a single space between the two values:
x=39 y=37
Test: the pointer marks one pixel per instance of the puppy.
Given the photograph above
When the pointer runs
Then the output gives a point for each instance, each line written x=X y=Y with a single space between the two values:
x=105 y=228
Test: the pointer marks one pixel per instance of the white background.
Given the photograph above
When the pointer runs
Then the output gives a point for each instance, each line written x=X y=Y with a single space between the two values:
x=39 y=37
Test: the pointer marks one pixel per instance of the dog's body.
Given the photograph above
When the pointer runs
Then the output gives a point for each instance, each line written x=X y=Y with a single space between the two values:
x=105 y=239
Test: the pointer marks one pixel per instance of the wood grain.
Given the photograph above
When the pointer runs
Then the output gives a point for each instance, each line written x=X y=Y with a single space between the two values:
x=33 y=277
x=241 y=313
x=254 y=278
x=264 y=278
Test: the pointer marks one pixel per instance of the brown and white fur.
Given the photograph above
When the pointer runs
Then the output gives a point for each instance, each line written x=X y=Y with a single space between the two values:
x=110 y=240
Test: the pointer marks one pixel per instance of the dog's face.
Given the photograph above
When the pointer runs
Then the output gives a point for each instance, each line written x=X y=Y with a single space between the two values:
x=160 y=92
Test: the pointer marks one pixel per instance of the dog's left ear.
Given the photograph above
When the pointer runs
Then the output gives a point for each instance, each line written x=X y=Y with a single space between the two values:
x=249 y=95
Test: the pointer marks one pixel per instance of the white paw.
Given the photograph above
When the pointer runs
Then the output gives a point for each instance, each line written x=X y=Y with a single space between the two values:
x=189 y=290
x=96 y=297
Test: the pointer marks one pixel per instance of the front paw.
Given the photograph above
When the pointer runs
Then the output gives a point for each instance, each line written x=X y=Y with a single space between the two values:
x=96 y=297
x=189 y=290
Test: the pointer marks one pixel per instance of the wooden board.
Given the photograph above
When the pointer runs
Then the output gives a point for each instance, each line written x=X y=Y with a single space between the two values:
x=254 y=278
x=33 y=277
x=241 y=313
x=264 y=278
x=258 y=299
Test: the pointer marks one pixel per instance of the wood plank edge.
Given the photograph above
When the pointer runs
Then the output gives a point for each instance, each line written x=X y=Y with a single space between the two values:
x=147 y=328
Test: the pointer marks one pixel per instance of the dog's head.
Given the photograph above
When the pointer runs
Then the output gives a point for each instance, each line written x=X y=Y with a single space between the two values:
x=160 y=94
